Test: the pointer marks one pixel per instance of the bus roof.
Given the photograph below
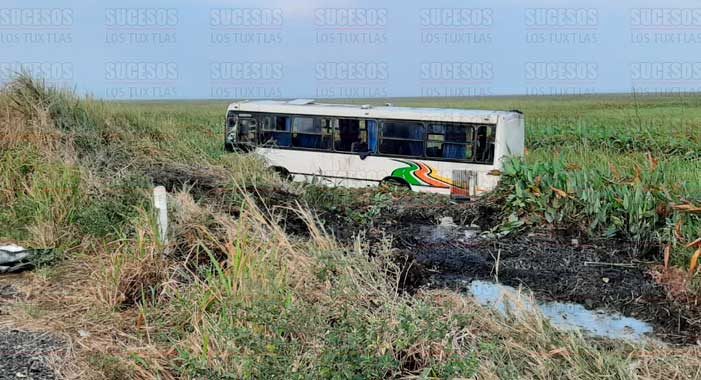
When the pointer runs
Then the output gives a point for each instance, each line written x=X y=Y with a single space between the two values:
x=309 y=107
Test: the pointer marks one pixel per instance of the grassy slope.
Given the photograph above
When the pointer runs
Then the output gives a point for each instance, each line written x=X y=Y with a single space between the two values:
x=234 y=298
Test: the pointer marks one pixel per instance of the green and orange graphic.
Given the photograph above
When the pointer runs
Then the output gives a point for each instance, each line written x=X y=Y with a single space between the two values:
x=419 y=174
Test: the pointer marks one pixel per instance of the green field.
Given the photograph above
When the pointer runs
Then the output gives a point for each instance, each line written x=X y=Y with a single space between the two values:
x=603 y=150
x=235 y=295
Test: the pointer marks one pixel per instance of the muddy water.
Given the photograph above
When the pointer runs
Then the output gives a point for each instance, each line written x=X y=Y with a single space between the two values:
x=459 y=261
x=448 y=231
x=564 y=316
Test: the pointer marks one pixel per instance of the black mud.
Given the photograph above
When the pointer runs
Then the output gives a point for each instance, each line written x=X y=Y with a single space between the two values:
x=560 y=265
x=598 y=275
x=25 y=355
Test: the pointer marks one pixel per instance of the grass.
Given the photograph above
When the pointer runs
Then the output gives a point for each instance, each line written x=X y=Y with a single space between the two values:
x=233 y=295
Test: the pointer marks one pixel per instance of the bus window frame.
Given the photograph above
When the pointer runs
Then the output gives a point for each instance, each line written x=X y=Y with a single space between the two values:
x=337 y=127
x=493 y=143
x=322 y=134
x=271 y=129
x=333 y=119
x=235 y=128
x=380 y=136
x=471 y=143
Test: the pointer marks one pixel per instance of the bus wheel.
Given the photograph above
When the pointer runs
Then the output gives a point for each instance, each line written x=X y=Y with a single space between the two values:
x=393 y=183
x=282 y=172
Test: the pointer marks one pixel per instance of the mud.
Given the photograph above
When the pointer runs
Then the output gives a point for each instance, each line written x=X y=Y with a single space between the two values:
x=26 y=355
x=556 y=265
x=598 y=275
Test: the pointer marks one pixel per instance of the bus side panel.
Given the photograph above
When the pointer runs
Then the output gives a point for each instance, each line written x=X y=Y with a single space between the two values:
x=443 y=171
x=517 y=140
x=337 y=169
x=436 y=176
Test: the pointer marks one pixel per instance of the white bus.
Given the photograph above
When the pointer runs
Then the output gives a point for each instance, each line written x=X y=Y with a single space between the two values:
x=449 y=151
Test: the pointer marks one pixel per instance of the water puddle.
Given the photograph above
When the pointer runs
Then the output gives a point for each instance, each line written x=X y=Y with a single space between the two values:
x=564 y=316
x=447 y=231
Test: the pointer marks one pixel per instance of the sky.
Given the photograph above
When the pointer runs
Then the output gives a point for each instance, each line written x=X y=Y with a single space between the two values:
x=241 y=49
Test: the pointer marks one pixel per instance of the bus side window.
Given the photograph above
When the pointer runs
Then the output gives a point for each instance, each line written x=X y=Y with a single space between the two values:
x=402 y=138
x=450 y=141
x=311 y=133
x=485 y=144
x=327 y=126
x=351 y=135
x=435 y=139
x=276 y=131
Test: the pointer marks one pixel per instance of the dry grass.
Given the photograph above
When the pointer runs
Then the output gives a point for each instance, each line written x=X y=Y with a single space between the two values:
x=83 y=303
x=17 y=132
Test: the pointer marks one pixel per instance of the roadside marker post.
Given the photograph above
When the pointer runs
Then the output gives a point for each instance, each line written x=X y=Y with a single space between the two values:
x=160 y=203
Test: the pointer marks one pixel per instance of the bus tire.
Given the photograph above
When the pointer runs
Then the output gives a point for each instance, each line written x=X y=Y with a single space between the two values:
x=282 y=172
x=229 y=147
x=395 y=183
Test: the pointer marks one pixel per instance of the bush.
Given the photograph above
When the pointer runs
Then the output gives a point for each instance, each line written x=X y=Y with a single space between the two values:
x=602 y=202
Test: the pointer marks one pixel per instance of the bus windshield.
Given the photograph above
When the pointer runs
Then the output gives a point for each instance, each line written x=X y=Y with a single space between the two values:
x=242 y=129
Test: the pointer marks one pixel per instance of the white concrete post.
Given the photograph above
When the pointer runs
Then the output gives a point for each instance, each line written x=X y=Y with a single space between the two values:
x=160 y=203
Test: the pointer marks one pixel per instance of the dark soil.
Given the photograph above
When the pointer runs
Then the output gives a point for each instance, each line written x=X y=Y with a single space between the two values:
x=601 y=275
x=199 y=180
x=555 y=265
x=24 y=355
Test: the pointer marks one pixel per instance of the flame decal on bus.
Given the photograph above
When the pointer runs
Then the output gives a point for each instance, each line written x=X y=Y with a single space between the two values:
x=420 y=174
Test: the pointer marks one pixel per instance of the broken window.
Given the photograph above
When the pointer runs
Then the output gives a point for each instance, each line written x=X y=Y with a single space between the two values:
x=311 y=133
x=402 y=138
x=450 y=141
x=351 y=136
x=276 y=130
x=484 y=141
x=247 y=128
